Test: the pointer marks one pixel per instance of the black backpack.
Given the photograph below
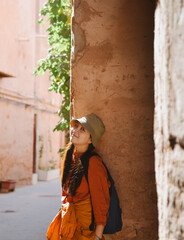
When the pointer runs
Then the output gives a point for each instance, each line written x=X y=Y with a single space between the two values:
x=114 y=221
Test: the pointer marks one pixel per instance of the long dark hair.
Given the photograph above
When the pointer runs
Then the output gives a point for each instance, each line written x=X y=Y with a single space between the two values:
x=77 y=170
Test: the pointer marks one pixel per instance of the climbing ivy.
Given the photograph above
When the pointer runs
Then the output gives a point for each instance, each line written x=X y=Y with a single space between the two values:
x=58 y=14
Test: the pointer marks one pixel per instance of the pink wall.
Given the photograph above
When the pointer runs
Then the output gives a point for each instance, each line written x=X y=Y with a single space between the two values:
x=22 y=43
x=112 y=76
x=15 y=142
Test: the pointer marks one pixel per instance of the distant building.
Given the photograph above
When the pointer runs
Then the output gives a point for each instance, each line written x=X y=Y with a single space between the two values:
x=27 y=109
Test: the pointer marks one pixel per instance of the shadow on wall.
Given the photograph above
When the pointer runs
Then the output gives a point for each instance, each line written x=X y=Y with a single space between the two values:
x=5 y=75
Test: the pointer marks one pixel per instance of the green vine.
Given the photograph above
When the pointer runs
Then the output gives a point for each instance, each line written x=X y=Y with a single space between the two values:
x=57 y=61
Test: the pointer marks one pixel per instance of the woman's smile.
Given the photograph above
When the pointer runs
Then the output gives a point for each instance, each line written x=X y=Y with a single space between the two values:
x=73 y=135
x=80 y=135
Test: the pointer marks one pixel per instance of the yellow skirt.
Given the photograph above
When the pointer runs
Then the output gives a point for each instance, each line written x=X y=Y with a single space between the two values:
x=72 y=222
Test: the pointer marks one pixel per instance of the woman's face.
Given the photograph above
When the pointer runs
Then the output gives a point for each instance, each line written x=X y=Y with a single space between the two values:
x=79 y=135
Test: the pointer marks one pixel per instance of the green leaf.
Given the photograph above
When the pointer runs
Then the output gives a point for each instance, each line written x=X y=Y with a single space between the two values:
x=41 y=21
x=62 y=18
x=57 y=61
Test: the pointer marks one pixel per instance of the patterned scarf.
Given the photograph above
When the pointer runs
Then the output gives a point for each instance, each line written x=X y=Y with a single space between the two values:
x=74 y=171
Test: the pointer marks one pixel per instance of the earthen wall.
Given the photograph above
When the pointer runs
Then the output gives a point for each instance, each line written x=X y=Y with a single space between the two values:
x=112 y=76
x=169 y=117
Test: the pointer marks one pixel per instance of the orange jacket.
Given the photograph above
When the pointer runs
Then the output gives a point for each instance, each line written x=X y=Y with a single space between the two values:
x=72 y=222
x=99 y=190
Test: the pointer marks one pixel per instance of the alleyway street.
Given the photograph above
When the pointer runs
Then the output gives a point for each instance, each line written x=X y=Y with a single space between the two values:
x=26 y=213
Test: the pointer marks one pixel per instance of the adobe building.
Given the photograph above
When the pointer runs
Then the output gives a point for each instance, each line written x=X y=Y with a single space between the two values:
x=128 y=67
x=113 y=76
x=27 y=110
x=169 y=117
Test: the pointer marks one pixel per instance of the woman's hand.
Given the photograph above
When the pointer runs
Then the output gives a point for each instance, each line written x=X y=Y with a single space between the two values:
x=99 y=231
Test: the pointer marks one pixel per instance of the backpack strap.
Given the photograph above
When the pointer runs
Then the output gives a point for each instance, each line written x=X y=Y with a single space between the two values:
x=85 y=162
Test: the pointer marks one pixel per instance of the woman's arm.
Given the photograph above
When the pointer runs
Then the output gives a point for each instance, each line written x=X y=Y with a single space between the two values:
x=99 y=190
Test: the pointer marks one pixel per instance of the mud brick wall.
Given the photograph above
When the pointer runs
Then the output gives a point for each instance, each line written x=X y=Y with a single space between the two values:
x=169 y=117
x=112 y=76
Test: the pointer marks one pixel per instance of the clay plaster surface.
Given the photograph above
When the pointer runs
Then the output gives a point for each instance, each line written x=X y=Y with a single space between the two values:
x=169 y=117
x=48 y=142
x=112 y=76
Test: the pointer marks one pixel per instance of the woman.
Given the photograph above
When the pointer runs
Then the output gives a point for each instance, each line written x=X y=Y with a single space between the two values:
x=83 y=197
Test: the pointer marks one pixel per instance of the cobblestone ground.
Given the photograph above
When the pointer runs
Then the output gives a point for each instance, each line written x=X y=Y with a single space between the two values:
x=25 y=214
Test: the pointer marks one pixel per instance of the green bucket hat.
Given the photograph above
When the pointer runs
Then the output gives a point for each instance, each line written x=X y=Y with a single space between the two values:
x=93 y=124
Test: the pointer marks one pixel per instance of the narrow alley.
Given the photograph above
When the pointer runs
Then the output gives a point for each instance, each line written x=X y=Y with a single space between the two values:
x=25 y=214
